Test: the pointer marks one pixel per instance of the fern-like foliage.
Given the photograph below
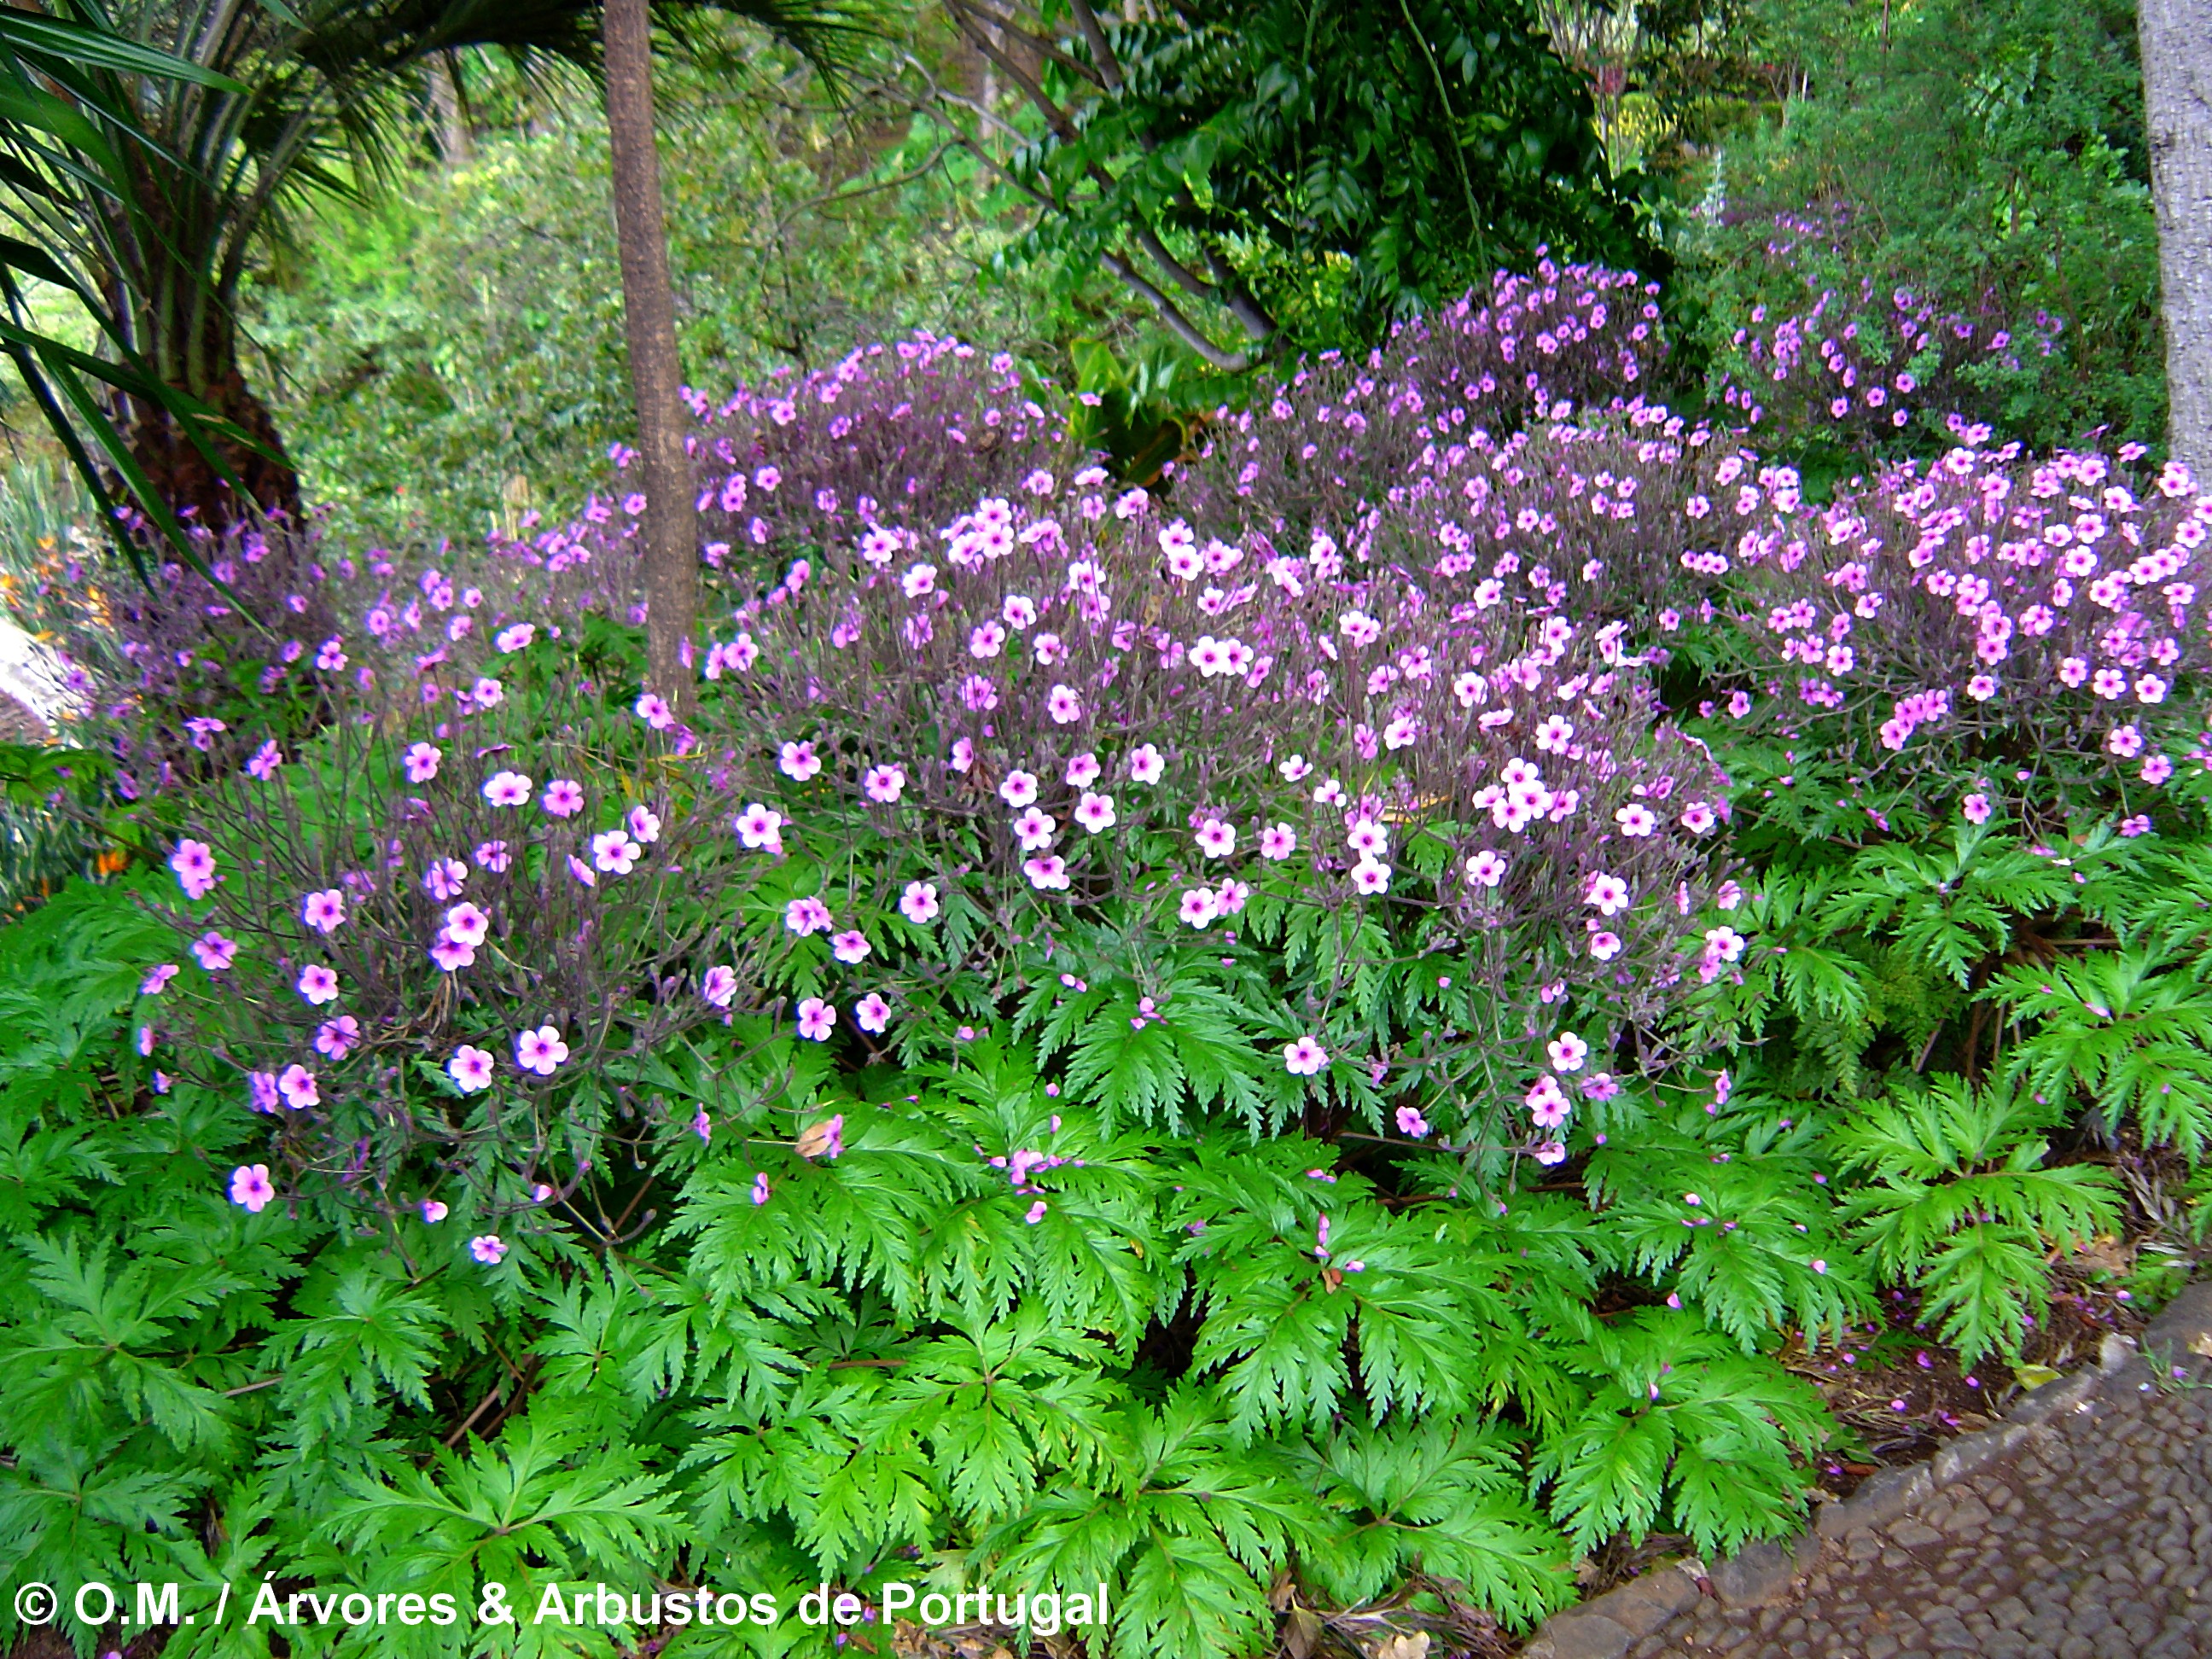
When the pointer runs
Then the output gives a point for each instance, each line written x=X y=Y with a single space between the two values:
x=1961 y=1201
x=2130 y=1028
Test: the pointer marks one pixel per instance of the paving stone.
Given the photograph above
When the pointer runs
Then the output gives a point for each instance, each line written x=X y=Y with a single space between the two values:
x=2080 y=1529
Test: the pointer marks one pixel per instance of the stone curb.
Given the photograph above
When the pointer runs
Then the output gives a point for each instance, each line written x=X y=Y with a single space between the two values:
x=1607 y=1626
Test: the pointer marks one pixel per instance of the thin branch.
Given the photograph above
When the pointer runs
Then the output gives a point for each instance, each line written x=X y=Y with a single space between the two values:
x=1110 y=67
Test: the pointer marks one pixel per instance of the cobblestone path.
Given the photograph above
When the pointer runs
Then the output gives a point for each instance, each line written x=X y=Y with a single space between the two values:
x=2081 y=1529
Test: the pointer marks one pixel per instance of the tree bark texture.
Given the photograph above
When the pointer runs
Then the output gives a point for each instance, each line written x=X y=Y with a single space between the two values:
x=195 y=350
x=2176 y=38
x=671 y=529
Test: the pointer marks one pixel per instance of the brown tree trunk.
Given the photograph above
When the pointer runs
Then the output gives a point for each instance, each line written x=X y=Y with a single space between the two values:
x=672 y=528
x=2176 y=38
x=186 y=478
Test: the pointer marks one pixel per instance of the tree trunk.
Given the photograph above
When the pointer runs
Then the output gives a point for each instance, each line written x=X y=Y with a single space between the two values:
x=179 y=473
x=672 y=528
x=2176 y=61
x=455 y=143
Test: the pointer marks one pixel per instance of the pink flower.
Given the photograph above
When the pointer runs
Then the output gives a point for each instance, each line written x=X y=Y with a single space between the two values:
x=2139 y=825
x=515 y=638
x=324 y=911
x=1371 y=876
x=644 y=824
x=760 y=1191
x=1146 y=763
x=451 y=955
x=884 y=784
x=297 y=1085
x=471 y=1068
x=444 y=878
x=816 y=1018
x=1303 y=1057
x=421 y=761
x=194 y=863
x=2124 y=741
x=1600 y=1085
x=654 y=711
x=1548 y=1103
x=702 y=1125
x=2156 y=770
x=262 y=1087
x=1550 y=1152
x=1019 y=789
x=563 y=798
x=614 y=852
x=1976 y=808
x=871 y=1013
x=761 y=826
x=798 y=761
x=249 y=1186
x=1367 y=837
x=1486 y=869
x=1064 y=707
x=1034 y=830
x=335 y=1038
x=582 y=872
x=1411 y=1123
x=1095 y=812
x=1697 y=819
x=1568 y=1051
x=433 y=1212
x=849 y=946
x=1036 y=1212
x=507 y=789
x=918 y=904
x=488 y=1248
x=467 y=925
x=540 y=1051
x=1636 y=821
x=1046 y=874
x=1724 y=942
x=805 y=916
x=719 y=986
x=157 y=979
x=265 y=761
x=1199 y=906
x=492 y=855
x=318 y=984
x=1607 y=894
x=214 y=951
x=1083 y=771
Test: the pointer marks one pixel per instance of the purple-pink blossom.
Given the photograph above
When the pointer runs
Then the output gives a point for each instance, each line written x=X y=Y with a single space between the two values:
x=335 y=1038
x=250 y=1186
x=540 y=1050
x=194 y=863
x=508 y=788
x=470 y=1069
